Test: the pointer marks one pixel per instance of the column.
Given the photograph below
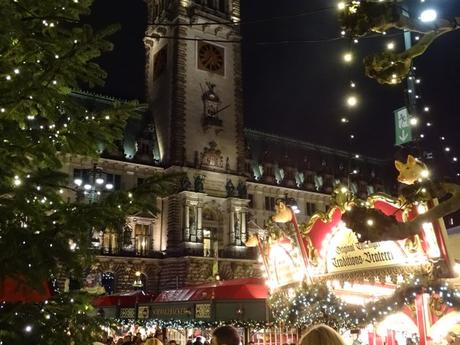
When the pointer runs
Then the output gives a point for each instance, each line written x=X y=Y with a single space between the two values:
x=199 y=232
x=232 y=227
x=187 y=223
x=243 y=227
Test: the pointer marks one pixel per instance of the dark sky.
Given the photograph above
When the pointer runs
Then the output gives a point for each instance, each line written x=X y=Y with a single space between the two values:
x=298 y=89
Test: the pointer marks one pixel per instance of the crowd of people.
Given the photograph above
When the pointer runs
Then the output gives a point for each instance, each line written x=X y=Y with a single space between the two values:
x=228 y=335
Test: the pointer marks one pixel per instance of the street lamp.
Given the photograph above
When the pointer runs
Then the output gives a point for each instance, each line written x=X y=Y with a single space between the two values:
x=92 y=183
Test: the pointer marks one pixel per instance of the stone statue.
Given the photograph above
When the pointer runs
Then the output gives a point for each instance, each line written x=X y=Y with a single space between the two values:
x=185 y=184
x=242 y=190
x=199 y=184
x=230 y=188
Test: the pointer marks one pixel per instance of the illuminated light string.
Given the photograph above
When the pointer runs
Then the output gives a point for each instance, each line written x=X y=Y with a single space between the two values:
x=352 y=100
x=314 y=304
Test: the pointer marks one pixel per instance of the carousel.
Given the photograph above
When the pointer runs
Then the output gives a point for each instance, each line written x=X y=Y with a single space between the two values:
x=377 y=271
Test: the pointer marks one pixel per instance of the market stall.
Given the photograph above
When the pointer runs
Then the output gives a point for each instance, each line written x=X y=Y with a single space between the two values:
x=193 y=311
x=369 y=268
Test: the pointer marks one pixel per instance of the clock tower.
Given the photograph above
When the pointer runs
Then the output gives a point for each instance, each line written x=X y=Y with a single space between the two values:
x=194 y=86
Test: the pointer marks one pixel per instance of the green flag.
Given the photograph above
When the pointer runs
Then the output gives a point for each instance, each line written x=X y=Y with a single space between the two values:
x=403 y=132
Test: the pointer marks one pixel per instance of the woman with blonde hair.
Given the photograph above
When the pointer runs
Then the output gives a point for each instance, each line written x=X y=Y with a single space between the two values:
x=321 y=335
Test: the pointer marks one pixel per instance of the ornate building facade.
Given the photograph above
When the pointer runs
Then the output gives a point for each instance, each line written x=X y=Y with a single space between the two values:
x=233 y=175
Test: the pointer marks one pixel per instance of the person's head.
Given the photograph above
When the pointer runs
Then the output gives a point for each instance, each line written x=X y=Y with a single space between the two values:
x=322 y=335
x=172 y=342
x=251 y=343
x=225 y=335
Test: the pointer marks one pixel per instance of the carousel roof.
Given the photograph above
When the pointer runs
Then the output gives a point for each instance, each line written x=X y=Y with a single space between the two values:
x=249 y=288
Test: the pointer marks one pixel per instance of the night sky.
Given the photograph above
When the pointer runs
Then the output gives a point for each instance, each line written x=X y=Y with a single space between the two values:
x=298 y=88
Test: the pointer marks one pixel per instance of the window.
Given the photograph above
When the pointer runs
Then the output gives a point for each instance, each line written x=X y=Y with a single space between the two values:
x=269 y=203
x=310 y=208
x=160 y=62
x=110 y=242
x=108 y=282
x=142 y=238
x=223 y=6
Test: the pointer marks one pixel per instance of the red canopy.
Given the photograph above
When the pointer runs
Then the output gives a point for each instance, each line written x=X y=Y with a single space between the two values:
x=16 y=290
x=249 y=288
x=128 y=299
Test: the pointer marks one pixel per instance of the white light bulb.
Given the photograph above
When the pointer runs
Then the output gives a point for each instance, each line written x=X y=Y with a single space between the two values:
x=370 y=222
x=87 y=186
x=428 y=15
x=390 y=45
x=447 y=149
x=413 y=121
x=348 y=57
x=78 y=181
x=99 y=180
x=352 y=101
x=109 y=186
x=341 y=5
x=28 y=328
x=426 y=109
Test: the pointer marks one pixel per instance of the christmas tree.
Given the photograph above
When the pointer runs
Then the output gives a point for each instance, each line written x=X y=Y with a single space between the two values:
x=45 y=231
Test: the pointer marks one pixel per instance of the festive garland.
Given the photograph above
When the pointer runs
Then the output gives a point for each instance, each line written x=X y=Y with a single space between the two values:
x=176 y=323
x=315 y=304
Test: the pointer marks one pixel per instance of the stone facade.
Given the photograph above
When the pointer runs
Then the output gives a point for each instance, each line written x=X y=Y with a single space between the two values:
x=232 y=176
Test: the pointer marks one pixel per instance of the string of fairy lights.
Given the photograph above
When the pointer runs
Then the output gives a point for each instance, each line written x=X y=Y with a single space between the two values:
x=420 y=122
x=420 y=117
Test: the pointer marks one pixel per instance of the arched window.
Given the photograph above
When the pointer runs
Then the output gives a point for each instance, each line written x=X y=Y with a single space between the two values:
x=108 y=282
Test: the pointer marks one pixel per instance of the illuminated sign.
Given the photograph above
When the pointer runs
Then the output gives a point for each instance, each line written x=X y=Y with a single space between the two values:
x=345 y=253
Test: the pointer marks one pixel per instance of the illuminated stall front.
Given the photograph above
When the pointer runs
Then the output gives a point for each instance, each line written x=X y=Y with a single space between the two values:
x=390 y=292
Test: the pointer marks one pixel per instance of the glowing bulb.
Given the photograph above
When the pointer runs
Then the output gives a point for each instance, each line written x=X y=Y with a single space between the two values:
x=344 y=120
x=447 y=149
x=109 y=186
x=352 y=84
x=352 y=101
x=370 y=222
x=99 y=180
x=413 y=121
x=421 y=209
x=428 y=15
x=78 y=181
x=426 y=109
x=356 y=156
x=138 y=273
x=344 y=189
x=390 y=45
x=425 y=173
x=28 y=328
x=455 y=159
x=87 y=186
x=341 y=5
x=348 y=57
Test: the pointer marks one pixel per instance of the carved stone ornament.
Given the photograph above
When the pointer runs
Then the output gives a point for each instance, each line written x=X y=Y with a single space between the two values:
x=211 y=108
x=212 y=157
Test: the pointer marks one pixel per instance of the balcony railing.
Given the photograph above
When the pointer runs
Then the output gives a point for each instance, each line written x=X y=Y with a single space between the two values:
x=129 y=253
x=227 y=253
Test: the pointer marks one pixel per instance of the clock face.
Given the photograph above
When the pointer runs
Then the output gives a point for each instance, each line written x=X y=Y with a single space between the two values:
x=211 y=58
